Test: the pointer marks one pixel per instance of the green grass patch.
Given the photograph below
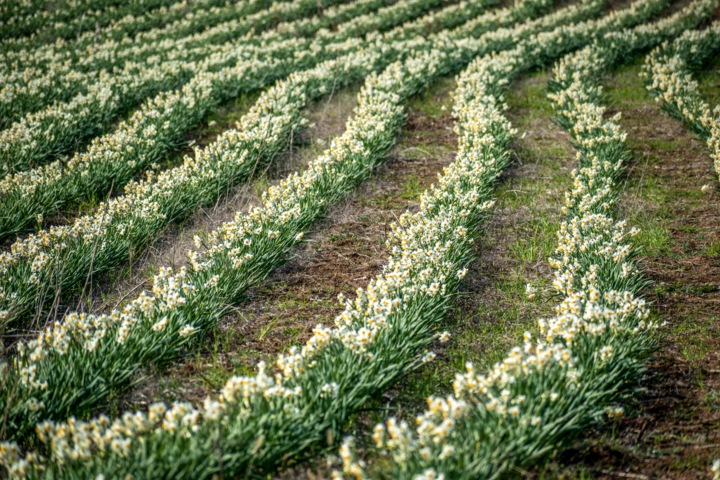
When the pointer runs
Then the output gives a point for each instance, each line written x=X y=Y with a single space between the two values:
x=434 y=100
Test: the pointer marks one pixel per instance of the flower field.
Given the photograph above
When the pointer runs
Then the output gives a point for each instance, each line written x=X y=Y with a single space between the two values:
x=414 y=239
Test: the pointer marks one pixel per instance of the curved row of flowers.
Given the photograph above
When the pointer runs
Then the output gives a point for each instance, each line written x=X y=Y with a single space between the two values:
x=582 y=362
x=339 y=369
x=137 y=217
x=36 y=268
x=478 y=105
x=668 y=73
